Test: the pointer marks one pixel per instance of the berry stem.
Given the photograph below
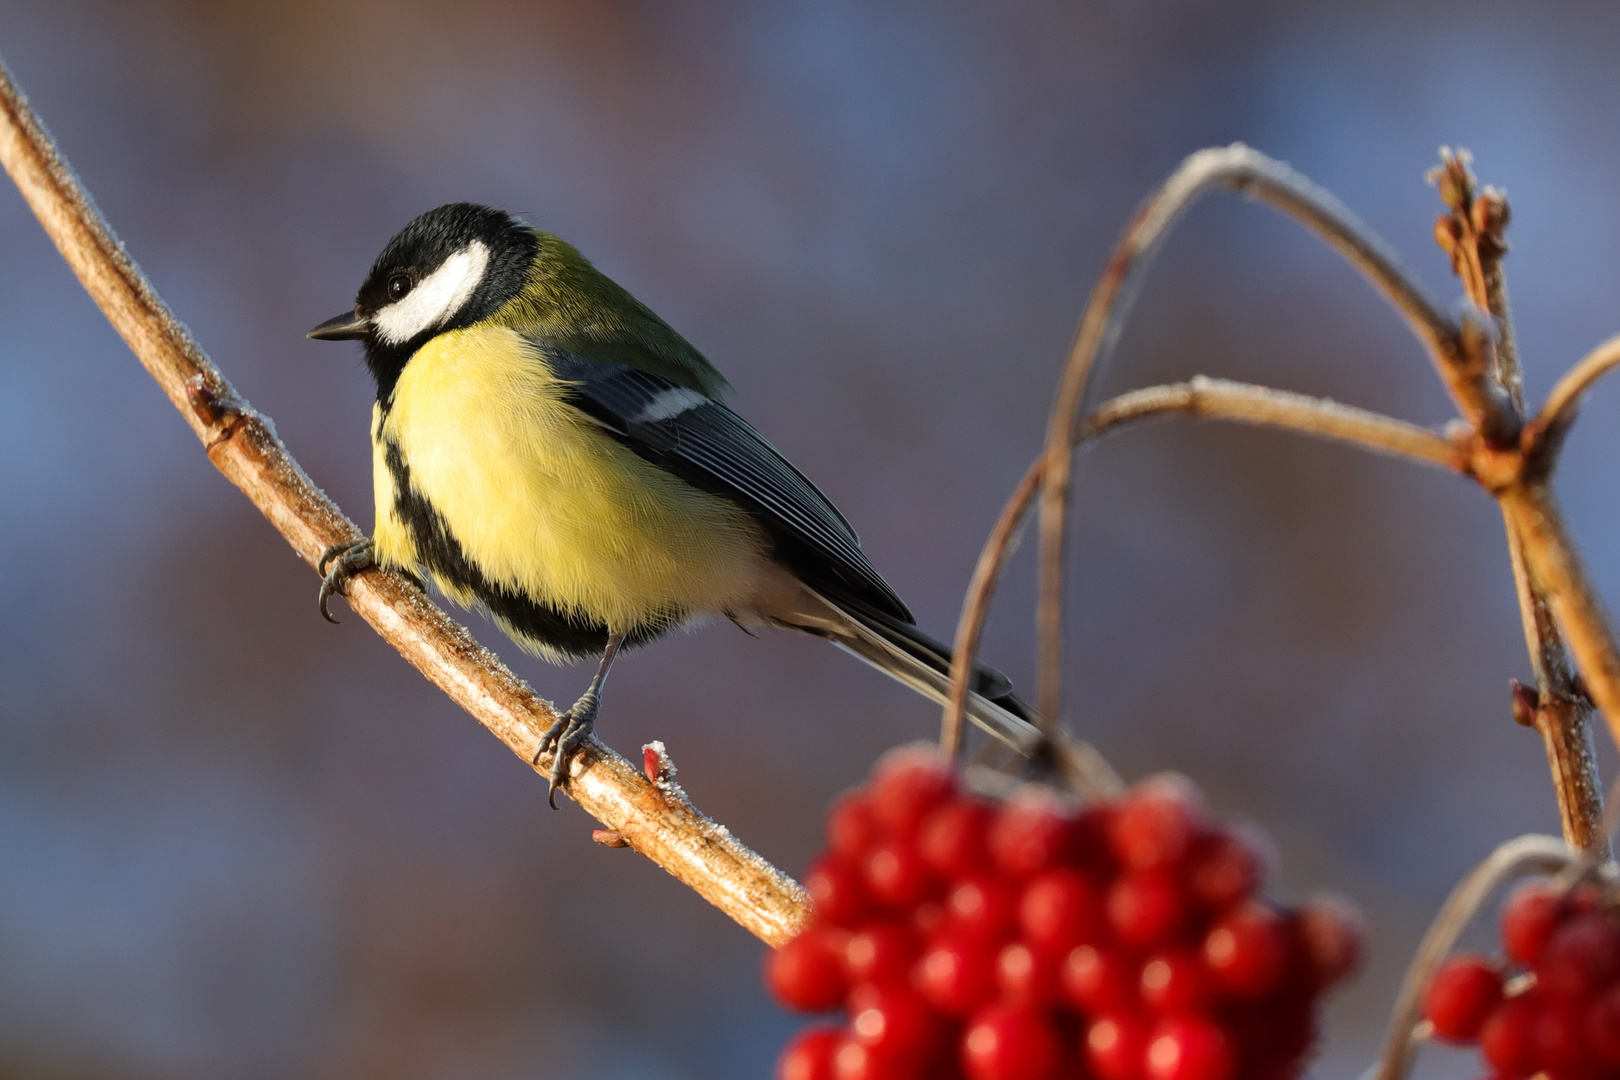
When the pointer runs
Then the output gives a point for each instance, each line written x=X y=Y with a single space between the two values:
x=1519 y=856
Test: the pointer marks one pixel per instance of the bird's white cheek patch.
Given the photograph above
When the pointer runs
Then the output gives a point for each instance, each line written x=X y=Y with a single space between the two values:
x=436 y=298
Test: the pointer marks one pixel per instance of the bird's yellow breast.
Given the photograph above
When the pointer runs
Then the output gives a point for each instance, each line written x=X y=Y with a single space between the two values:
x=543 y=502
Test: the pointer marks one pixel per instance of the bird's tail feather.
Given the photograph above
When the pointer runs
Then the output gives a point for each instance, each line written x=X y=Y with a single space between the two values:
x=901 y=651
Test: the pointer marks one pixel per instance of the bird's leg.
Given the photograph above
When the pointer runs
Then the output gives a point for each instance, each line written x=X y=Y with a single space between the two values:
x=347 y=560
x=574 y=726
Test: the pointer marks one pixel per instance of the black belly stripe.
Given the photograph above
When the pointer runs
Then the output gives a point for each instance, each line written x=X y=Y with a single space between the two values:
x=525 y=618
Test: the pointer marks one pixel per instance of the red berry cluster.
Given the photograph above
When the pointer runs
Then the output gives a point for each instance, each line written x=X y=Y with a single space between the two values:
x=1034 y=940
x=1561 y=1014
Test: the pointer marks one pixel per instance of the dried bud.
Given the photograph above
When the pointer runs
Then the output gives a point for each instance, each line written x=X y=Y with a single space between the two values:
x=1525 y=704
x=1447 y=233
x=1490 y=213
x=204 y=400
x=1453 y=188
x=1454 y=179
x=656 y=764
x=609 y=838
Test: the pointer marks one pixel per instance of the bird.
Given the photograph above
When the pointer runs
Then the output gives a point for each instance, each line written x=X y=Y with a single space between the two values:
x=547 y=449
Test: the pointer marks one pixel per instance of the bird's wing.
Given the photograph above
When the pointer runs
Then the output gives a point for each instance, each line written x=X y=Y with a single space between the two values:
x=712 y=448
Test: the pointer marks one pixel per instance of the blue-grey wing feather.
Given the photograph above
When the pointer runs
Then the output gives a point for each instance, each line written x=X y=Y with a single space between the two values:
x=713 y=448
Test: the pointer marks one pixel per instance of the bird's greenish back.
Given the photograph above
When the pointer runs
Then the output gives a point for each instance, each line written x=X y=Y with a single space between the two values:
x=569 y=303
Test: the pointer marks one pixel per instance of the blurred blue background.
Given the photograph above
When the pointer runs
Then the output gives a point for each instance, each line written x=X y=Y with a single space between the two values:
x=236 y=841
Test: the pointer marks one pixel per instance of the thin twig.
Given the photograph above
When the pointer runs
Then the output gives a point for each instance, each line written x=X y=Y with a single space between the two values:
x=1520 y=856
x=1562 y=712
x=1261 y=178
x=976 y=609
x=1472 y=232
x=655 y=819
x=1558 y=413
x=1212 y=399
x=1088 y=773
x=1532 y=510
x=1262 y=406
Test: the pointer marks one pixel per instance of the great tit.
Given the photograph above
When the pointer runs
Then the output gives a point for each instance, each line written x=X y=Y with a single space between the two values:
x=546 y=448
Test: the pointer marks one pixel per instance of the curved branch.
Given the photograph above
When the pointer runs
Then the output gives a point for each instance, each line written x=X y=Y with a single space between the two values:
x=1252 y=173
x=976 y=608
x=654 y=818
x=1552 y=423
x=1212 y=399
x=1262 y=406
x=1519 y=856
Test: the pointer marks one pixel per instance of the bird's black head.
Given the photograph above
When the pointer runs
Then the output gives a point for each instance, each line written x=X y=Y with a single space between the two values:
x=449 y=268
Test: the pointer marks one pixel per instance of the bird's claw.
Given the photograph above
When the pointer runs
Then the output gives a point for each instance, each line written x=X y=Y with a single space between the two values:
x=567 y=735
x=346 y=561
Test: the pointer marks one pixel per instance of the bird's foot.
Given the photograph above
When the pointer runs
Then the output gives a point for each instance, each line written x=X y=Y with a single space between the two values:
x=567 y=735
x=346 y=561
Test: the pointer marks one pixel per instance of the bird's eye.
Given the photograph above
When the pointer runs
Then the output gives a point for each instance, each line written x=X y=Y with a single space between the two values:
x=398 y=286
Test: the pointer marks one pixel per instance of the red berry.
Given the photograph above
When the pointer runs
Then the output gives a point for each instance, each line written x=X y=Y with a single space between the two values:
x=907 y=783
x=894 y=1022
x=1222 y=869
x=1190 y=1048
x=894 y=874
x=1098 y=979
x=807 y=973
x=1462 y=994
x=1088 y=843
x=1031 y=833
x=1115 y=1046
x=1603 y=1028
x=1146 y=908
x=1585 y=898
x=1247 y=951
x=1559 y=1040
x=1003 y=1043
x=852 y=828
x=1334 y=939
x=981 y=907
x=951 y=839
x=1529 y=917
x=928 y=918
x=881 y=954
x=955 y=974
x=1507 y=1037
x=1027 y=977
x=837 y=892
x=1157 y=822
x=1581 y=957
x=809 y=1056
x=853 y=1061
x=1174 y=982
x=1059 y=909
x=1278 y=1032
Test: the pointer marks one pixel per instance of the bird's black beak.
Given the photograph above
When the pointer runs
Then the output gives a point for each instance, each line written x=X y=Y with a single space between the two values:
x=348 y=326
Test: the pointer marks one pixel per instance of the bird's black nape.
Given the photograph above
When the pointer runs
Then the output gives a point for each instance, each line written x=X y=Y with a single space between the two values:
x=422 y=247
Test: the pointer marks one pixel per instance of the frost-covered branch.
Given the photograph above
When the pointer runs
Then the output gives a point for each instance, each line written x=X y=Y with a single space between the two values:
x=654 y=818
x=1253 y=174
x=1472 y=232
x=1559 y=410
x=1212 y=399
x=1478 y=364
